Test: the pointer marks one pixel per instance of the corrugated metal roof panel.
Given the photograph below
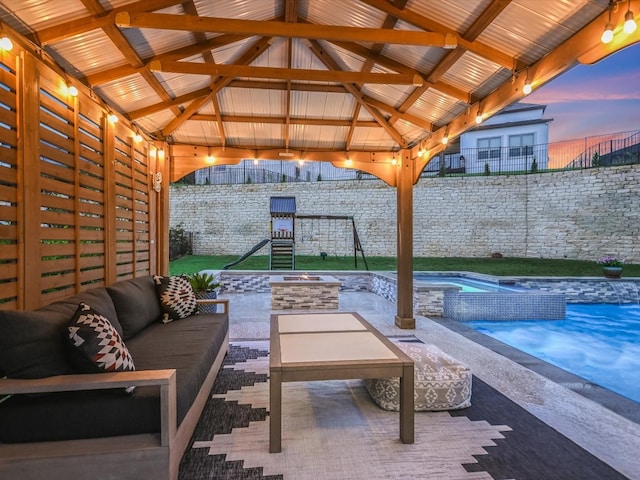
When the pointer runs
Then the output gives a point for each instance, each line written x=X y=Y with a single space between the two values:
x=37 y=14
x=249 y=101
x=263 y=135
x=346 y=59
x=526 y=30
x=90 y=52
x=324 y=137
x=432 y=105
x=241 y=9
x=131 y=91
x=451 y=14
x=281 y=205
x=422 y=59
x=229 y=53
x=199 y=132
x=368 y=138
x=149 y=42
x=468 y=71
x=322 y=105
x=386 y=92
x=346 y=12
x=156 y=122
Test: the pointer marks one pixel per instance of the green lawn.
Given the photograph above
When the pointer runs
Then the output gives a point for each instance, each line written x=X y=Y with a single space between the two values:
x=493 y=266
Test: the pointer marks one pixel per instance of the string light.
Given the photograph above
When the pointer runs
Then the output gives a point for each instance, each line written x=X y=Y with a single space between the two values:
x=256 y=162
x=6 y=44
x=137 y=137
x=112 y=117
x=527 y=88
x=628 y=28
x=479 y=118
x=629 y=22
x=445 y=139
x=607 y=35
x=348 y=162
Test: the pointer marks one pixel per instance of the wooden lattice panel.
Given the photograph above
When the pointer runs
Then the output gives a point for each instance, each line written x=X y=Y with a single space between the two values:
x=77 y=204
x=9 y=252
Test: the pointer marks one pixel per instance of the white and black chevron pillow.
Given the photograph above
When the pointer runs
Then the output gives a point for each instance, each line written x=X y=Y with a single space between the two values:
x=95 y=344
x=177 y=298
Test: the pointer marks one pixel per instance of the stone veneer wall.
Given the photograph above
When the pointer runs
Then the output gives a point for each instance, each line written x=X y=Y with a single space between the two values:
x=429 y=300
x=579 y=214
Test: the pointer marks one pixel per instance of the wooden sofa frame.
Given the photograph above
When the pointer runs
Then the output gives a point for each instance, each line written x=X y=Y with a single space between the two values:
x=152 y=456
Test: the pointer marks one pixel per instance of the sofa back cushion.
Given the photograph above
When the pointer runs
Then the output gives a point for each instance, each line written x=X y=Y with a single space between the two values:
x=136 y=304
x=31 y=342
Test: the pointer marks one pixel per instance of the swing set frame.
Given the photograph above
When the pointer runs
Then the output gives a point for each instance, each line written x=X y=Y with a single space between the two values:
x=357 y=246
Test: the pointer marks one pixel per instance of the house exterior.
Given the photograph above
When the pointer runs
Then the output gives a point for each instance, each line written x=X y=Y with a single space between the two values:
x=513 y=140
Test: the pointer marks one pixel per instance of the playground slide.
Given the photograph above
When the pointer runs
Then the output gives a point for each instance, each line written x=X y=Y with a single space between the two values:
x=253 y=250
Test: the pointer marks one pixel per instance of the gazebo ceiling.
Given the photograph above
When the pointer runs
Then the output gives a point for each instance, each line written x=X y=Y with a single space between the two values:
x=263 y=76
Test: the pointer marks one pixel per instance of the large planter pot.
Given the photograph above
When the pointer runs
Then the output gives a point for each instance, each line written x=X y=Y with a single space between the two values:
x=207 y=308
x=612 y=272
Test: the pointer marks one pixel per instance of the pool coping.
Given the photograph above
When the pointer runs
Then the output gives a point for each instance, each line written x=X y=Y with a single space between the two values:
x=619 y=404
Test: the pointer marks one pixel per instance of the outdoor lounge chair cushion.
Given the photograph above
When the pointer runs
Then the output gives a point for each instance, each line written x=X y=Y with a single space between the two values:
x=440 y=381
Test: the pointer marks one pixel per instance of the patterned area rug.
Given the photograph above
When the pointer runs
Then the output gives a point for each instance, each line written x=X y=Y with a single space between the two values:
x=332 y=430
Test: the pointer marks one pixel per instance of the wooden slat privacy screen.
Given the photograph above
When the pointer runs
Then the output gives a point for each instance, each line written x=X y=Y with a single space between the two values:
x=78 y=207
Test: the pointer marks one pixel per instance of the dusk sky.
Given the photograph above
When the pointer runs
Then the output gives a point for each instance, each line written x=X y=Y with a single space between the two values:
x=594 y=99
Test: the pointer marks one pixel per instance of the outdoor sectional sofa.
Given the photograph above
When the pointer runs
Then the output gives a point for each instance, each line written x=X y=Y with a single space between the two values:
x=55 y=423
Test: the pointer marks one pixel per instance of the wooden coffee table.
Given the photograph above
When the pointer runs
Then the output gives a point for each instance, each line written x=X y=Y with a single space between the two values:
x=333 y=346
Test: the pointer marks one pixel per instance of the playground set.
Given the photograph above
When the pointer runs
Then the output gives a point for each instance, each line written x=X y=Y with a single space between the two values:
x=283 y=235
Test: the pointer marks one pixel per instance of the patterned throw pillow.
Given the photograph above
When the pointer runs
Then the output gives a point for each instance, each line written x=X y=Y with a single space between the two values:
x=177 y=298
x=96 y=345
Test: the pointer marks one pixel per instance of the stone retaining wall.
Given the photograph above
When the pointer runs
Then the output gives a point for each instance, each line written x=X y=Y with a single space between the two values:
x=578 y=214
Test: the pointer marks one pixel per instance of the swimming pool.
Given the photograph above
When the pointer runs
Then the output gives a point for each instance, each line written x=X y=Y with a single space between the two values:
x=600 y=343
x=466 y=284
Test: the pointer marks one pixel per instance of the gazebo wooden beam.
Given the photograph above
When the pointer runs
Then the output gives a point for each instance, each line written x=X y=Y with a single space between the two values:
x=282 y=29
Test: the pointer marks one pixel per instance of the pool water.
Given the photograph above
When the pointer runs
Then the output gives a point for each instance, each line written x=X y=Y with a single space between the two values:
x=600 y=343
x=466 y=284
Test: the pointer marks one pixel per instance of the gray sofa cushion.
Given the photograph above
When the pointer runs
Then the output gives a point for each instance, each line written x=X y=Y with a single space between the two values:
x=31 y=341
x=189 y=346
x=31 y=344
x=136 y=304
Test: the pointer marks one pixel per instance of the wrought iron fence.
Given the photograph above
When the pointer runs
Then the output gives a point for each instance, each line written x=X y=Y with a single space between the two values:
x=597 y=151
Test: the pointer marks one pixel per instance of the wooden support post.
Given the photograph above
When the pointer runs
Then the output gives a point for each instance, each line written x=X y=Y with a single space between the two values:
x=162 y=166
x=404 y=188
x=29 y=201
x=110 y=237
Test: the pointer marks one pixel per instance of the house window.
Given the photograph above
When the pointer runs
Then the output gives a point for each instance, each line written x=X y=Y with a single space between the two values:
x=488 y=148
x=521 y=145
